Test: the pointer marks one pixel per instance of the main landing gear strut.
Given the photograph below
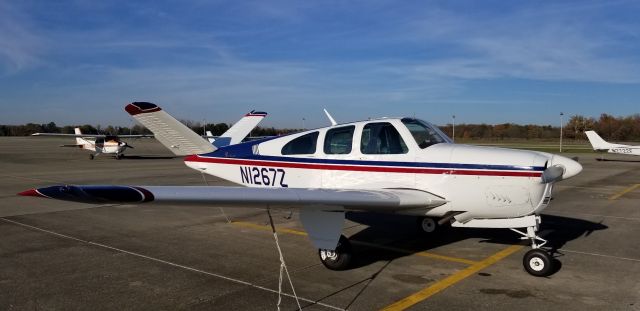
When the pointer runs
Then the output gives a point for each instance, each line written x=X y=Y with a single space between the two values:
x=536 y=261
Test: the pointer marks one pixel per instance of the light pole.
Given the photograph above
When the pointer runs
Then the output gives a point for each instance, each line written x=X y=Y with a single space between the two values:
x=453 y=128
x=303 y=123
x=561 y=114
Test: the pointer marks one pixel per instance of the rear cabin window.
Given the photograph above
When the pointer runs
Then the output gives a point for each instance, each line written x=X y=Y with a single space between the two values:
x=382 y=138
x=305 y=144
x=339 y=140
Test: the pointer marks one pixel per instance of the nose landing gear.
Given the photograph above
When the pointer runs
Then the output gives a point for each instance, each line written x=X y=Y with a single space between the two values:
x=536 y=261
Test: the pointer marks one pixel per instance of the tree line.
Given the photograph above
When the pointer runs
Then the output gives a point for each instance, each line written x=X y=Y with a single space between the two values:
x=625 y=128
x=216 y=129
x=609 y=127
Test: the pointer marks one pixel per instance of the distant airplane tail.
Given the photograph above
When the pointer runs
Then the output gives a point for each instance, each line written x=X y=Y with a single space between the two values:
x=210 y=137
x=597 y=142
x=80 y=140
x=176 y=136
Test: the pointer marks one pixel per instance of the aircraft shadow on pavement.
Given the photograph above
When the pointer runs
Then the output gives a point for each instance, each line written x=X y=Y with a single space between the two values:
x=402 y=232
x=617 y=160
x=145 y=157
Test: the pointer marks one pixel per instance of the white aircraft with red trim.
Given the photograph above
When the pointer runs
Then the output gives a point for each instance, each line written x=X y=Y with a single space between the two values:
x=388 y=165
x=97 y=143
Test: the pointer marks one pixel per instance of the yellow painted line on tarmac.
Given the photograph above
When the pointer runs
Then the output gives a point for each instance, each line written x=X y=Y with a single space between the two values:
x=267 y=228
x=623 y=192
x=389 y=248
x=451 y=280
x=423 y=254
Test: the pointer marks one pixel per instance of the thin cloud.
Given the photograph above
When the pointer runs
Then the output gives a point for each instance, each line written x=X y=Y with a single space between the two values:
x=19 y=45
x=525 y=44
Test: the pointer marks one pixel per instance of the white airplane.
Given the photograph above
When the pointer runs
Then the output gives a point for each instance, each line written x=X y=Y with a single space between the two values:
x=98 y=144
x=180 y=139
x=600 y=144
x=389 y=165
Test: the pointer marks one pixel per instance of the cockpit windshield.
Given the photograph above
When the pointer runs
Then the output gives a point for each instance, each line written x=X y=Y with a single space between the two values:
x=425 y=134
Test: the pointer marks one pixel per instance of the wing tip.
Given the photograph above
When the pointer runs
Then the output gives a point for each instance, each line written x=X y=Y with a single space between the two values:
x=254 y=113
x=141 y=107
x=31 y=193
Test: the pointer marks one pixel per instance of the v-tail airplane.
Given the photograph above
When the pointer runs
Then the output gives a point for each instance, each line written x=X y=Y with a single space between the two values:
x=389 y=165
x=97 y=143
x=601 y=145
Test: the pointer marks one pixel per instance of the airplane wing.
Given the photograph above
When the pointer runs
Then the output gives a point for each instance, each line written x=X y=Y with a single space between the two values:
x=70 y=135
x=351 y=199
x=91 y=135
x=321 y=210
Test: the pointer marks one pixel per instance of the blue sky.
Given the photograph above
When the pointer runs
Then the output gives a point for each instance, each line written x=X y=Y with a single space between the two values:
x=82 y=61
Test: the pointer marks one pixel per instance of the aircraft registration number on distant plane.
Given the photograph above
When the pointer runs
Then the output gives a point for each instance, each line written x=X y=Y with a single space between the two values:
x=263 y=176
x=621 y=150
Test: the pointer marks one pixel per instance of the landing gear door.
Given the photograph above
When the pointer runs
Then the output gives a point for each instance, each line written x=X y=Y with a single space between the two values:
x=323 y=224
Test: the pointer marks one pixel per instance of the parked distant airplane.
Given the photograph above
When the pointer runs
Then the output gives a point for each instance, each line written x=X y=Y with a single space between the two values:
x=600 y=144
x=389 y=165
x=98 y=144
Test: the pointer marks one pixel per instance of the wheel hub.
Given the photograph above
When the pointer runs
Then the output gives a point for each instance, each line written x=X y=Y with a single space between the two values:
x=428 y=225
x=328 y=255
x=536 y=264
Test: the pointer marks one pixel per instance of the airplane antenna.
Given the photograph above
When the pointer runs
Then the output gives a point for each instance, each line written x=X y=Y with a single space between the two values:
x=331 y=119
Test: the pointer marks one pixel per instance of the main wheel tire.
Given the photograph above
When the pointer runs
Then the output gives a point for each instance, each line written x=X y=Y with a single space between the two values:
x=538 y=262
x=428 y=225
x=340 y=258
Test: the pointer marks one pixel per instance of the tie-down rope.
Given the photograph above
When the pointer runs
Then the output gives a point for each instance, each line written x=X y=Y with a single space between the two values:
x=221 y=209
x=283 y=266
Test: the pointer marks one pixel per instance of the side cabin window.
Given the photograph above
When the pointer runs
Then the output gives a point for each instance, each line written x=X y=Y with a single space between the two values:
x=382 y=138
x=424 y=133
x=305 y=144
x=339 y=140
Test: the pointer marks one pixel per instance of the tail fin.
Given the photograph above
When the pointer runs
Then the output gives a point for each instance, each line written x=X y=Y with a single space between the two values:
x=176 y=136
x=209 y=137
x=80 y=140
x=597 y=142
x=240 y=129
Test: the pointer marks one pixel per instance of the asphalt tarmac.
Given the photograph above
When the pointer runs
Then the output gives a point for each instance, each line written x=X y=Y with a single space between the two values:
x=58 y=255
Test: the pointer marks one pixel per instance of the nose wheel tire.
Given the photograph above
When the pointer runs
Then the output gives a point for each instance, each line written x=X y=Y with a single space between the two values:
x=338 y=259
x=91 y=156
x=538 y=262
x=427 y=225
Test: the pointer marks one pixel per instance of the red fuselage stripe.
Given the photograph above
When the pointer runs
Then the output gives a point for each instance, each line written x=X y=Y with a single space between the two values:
x=361 y=168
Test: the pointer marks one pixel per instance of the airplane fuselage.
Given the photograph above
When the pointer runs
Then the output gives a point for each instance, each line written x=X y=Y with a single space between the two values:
x=624 y=149
x=482 y=182
x=106 y=146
